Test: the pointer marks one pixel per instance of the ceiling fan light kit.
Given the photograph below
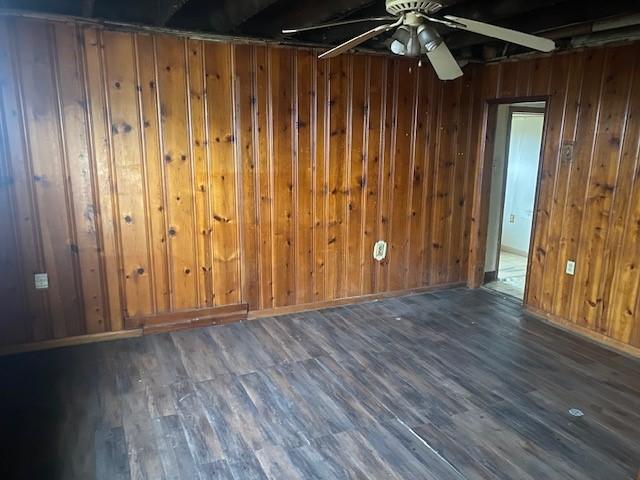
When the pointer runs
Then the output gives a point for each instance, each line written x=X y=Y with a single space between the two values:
x=415 y=35
x=399 y=40
x=429 y=38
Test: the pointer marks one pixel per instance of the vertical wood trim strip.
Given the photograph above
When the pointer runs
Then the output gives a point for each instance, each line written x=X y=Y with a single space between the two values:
x=381 y=166
x=468 y=184
x=430 y=146
x=145 y=178
x=411 y=175
x=346 y=181
x=238 y=184
x=366 y=160
x=449 y=252
x=313 y=145
x=294 y=178
x=164 y=176
x=257 y=172
x=194 y=223
x=392 y=168
x=115 y=209
x=271 y=172
x=325 y=173
x=315 y=99
x=207 y=156
x=433 y=244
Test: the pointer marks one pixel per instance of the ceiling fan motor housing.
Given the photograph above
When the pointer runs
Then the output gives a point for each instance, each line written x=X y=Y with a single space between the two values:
x=398 y=7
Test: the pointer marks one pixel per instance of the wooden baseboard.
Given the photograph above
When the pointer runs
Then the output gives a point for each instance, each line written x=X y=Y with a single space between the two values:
x=196 y=323
x=170 y=322
x=586 y=333
x=307 y=307
x=201 y=317
x=69 y=341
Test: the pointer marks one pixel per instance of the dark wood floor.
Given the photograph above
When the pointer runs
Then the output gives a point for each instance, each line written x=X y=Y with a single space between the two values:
x=455 y=384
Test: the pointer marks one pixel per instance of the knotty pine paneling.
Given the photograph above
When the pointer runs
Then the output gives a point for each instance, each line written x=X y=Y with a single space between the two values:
x=588 y=209
x=150 y=173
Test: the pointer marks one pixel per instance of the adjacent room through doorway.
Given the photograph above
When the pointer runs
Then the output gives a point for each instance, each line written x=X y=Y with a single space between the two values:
x=518 y=140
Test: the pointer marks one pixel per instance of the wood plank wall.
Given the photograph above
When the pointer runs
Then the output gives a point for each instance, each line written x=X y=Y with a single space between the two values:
x=152 y=173
x=588 y=207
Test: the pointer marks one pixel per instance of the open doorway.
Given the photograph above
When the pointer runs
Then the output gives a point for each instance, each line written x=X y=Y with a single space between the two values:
x=514 y=175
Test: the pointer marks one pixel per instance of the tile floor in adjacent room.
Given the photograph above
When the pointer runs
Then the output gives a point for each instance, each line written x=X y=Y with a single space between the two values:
x=512 y=275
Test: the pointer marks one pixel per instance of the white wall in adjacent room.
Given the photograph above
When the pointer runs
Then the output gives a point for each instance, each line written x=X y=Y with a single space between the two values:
x=522 y=172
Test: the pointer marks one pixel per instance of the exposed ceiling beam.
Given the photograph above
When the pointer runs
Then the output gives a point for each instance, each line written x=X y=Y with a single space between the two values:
x=302 y=13
x=484 y=10
x=62 y=7
x=318 y=11
x=550 y=17
x=165 y=9
x=148 y=12
x=228 y=15
x=86 y=8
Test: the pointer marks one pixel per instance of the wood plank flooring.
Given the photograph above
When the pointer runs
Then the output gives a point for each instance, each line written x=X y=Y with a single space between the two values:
x=448 y=385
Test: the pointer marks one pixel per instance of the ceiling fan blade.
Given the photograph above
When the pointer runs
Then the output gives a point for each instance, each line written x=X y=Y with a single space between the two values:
x=513 y=36
x=363 y=37
x=448 y=23
x=443 y=63
x=337 y=24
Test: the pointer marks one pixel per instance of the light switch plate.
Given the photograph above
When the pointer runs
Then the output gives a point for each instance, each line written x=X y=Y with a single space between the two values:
x=571 y=267
x=380 y=250
x=41 y=281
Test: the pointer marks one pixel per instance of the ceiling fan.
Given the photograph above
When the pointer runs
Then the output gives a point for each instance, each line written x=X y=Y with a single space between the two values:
x=415 y=34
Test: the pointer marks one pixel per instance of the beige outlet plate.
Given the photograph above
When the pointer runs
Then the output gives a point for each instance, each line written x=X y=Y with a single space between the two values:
x=41 y=281
x=380 y=250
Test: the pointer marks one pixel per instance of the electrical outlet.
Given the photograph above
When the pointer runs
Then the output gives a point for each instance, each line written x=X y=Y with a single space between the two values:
x=571 y=267
x=380 y=250
x=512 y=218
x=41 y=281
x=567 y=151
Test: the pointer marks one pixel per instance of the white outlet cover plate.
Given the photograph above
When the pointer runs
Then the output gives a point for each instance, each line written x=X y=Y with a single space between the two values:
x=380 y=250
x=571 y=267
x=41 y=281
